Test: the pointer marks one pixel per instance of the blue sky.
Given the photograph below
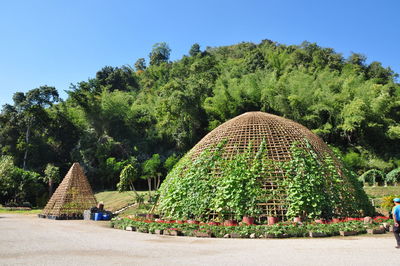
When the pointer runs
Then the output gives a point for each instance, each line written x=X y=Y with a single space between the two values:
x=55 y=43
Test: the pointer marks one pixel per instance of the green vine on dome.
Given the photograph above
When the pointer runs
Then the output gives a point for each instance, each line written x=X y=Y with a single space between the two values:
x=238 y=191
x=316 y=186
x=321 y=188
x=211 y=184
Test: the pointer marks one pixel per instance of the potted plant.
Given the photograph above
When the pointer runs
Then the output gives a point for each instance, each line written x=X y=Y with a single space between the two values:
x=297 y=219
x=375 y=229
x=352 y=219
x=173 y=232
x=202 y=232
x=248 y=220
x=347 y=233
x=318 y=230
x=274 y=232
x=230 y=223
x=192 y=222
x=348 y=230
x=272 y=220
x=317 y=234
x=150 y=216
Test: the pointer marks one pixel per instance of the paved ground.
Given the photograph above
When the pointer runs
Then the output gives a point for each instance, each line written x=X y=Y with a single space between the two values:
x=28 y=240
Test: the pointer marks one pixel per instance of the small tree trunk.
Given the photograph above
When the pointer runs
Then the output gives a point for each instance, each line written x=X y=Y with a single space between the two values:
x=149 y=185
x=158 y=181
x=51 y=183
x=134 y=189
x=28 y=132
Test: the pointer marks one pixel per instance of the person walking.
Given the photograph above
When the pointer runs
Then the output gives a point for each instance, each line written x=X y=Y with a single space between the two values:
x=396 y=219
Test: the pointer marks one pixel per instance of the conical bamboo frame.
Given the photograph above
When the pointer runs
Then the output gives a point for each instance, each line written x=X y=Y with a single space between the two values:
x=73 y=195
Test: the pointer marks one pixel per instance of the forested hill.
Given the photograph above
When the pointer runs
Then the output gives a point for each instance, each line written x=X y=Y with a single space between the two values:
x=128 y=114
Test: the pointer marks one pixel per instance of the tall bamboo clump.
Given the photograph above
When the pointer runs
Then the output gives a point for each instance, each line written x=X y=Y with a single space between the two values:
x=72 y=197
x=279 y=135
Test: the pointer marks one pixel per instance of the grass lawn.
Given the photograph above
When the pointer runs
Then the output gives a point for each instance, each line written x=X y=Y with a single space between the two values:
x=114 y=200
x=380 y=192
x=34 y=211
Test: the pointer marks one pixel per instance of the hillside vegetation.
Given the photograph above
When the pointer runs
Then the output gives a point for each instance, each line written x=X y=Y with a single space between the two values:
x=128 y=115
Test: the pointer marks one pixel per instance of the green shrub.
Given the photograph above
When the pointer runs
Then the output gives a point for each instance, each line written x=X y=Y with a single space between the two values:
x=387 y=202
x=353 y=160
x=393 y=177
x=372 y=177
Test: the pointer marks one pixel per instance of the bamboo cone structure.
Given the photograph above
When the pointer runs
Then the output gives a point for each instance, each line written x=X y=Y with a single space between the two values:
x=72 y=197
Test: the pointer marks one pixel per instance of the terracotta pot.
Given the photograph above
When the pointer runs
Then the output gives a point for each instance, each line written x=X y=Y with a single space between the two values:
x=192 y=222
x=297 y=219
x=272 y=220
x=230 y=223
x=248 y=220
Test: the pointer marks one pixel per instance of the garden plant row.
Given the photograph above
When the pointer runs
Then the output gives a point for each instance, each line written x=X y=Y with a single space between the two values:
x=279 y=230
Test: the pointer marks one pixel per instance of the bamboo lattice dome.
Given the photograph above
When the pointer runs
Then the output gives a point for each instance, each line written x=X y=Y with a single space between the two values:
x=72 y=196
x=279 y=133
x=247 y=133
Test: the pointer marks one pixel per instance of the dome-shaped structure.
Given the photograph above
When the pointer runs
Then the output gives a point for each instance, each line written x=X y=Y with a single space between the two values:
x=278 y=135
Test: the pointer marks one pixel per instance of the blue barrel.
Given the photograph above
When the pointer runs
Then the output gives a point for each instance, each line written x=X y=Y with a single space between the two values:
x=98 y=216
x=106 y=216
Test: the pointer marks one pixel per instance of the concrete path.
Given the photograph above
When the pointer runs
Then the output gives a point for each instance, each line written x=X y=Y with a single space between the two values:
x=27 y=240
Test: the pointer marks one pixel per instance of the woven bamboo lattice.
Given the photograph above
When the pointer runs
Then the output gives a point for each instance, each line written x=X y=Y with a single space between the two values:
x=279 y=134
x=73 y=195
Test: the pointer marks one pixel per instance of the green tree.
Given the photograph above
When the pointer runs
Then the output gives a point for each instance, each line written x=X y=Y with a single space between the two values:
x=194 y=50
x=51 y=177
x=6 y=181
x=140 y=64
x=128 y=177
x=16 y=184
x=152 y=170
x=159 y=54
x=29 y=108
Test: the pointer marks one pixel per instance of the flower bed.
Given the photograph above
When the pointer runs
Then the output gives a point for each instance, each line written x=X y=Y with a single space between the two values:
x=279 y=230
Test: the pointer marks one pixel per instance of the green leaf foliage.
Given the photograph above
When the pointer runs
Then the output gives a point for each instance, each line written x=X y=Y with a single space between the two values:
x=322 y=187
x=211 y=184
